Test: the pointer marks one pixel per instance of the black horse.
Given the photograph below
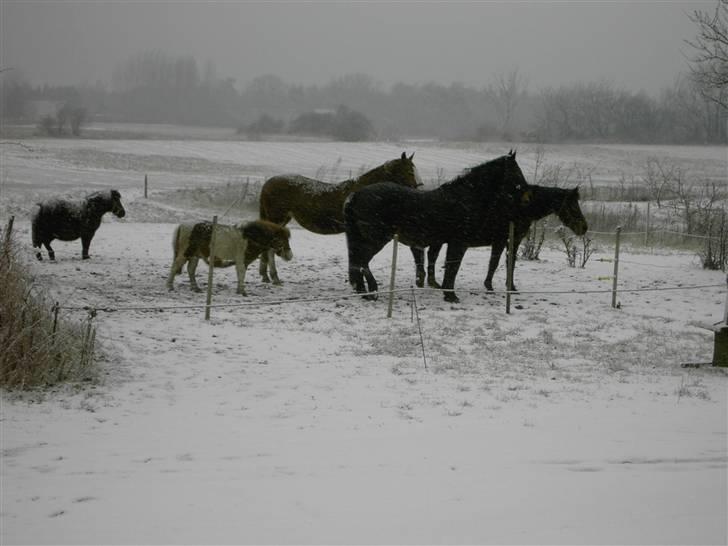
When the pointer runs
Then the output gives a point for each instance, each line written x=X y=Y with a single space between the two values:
x=544 y=200
x=68 y=220
x=484 y=198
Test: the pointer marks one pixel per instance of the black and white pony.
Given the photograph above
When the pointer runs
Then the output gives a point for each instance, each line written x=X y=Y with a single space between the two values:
x=69 y=220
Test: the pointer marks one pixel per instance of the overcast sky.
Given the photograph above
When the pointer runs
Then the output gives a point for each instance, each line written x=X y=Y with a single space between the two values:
x=636 y=45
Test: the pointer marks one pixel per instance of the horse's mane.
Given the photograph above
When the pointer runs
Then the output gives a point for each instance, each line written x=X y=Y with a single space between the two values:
x=478 y=173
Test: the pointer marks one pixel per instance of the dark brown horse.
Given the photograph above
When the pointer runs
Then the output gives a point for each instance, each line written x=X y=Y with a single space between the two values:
x=318 y=206
x=544 y=200
x=486 y=197
x=69 y=220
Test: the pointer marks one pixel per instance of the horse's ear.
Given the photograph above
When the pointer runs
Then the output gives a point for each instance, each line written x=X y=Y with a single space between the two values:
x=411 y=156
x=404 y=155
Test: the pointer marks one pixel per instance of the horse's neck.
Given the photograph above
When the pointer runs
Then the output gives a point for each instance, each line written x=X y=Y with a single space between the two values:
x=545 y=201
x=371 y=177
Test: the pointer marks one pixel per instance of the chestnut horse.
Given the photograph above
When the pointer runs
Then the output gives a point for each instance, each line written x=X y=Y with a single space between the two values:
x=318 y=206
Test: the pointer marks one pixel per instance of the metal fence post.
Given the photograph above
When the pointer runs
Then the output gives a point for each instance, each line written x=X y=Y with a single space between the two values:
x=211 y=268
x=509 y=266
x=392 y=275
x=616 y=267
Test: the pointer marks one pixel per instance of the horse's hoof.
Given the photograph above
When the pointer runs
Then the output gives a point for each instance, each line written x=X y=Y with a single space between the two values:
x=85 y=257
x=451 y=298
x=419 y=283
x=371 y=297
x=435 y=285
x=277 y=282
x=39 y=256
x=196 y=289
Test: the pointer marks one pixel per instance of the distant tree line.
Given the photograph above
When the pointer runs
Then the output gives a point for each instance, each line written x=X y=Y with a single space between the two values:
x=153 y=87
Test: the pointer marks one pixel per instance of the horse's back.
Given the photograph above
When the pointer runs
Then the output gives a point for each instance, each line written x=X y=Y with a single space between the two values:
x=417 y=216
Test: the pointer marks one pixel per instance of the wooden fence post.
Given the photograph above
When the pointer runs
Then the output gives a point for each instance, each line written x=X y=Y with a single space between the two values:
x=616 y=268
x=509 y=267
x=9 y=231
x=211 y=268
x=145 y=186
x=392 y=276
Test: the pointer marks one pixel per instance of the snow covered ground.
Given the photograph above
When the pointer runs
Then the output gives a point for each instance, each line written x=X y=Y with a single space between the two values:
x=316 y=421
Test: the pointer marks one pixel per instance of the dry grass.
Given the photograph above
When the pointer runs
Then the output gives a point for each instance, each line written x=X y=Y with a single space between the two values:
x=38 y=350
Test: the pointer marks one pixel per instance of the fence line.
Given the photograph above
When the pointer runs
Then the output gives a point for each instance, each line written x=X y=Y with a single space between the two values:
x=336 y=297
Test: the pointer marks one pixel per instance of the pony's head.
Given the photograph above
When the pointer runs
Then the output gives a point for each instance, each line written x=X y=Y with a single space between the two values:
x=400 y=171
x=116 y=207
x=106 y=201
x=269 y=235
x=570 y=213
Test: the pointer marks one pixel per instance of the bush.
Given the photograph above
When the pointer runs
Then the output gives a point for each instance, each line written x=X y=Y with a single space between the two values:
x=346 y=124
x=37 y=349
x=264 y=125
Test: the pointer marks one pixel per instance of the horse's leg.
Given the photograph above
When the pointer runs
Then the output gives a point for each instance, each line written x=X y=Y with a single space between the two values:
x=419 y=256
x=495 y=255
x=372 y=285
x=454 y=257
x=272 y=267
x=432 y=254
x=512 y=287
x=192 y=262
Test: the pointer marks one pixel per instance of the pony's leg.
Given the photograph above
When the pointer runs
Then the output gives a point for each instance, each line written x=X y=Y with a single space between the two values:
x=419 y=256
x=263 y=266
x=432 y=254
x=85 y=244
x=454 y=257
x=176 y=268
x=51 y=254
x=191 y=270
x=240 y=268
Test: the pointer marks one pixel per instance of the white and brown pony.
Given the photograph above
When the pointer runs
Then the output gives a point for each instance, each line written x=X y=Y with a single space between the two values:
x=238 y=245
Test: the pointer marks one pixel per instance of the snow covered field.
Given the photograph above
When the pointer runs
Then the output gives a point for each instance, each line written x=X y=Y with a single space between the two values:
x=316 y=421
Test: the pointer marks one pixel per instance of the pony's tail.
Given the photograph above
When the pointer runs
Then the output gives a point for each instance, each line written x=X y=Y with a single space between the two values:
x=34 y=219
x=175 y=247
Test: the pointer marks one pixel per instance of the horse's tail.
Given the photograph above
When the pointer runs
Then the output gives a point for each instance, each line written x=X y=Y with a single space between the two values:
x=354 y=238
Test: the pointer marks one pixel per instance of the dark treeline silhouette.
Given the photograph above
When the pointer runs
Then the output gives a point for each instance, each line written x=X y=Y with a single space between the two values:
x=156 y=88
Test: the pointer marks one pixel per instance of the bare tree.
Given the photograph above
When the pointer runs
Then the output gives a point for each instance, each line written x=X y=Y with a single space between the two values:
x=709 y=63
x=506 y=93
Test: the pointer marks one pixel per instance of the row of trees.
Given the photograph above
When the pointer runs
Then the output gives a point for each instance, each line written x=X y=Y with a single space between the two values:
x=156 y=87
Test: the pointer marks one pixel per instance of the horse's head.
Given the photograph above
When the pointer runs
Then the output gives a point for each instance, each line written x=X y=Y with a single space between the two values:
x=400 y=171
x=570 y=213
x=513 y=185
x=116 y=207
